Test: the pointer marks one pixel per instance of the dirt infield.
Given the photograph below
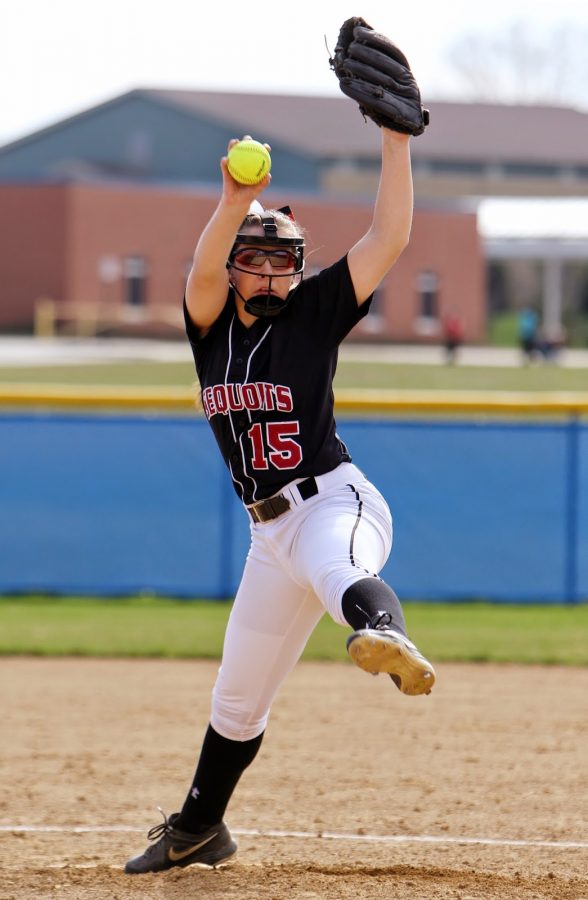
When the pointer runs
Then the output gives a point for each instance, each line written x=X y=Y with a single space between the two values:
x=478 y=791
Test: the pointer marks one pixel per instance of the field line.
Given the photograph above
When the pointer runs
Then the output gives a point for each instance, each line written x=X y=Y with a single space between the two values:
x=311 y=835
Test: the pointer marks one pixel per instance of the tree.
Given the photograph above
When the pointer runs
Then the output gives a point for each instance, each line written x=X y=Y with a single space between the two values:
x=523 y=64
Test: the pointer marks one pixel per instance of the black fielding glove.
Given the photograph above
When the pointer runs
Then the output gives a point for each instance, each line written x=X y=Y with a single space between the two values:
x=376 y=74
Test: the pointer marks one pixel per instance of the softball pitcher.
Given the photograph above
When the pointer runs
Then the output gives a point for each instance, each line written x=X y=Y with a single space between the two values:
x=265 y=345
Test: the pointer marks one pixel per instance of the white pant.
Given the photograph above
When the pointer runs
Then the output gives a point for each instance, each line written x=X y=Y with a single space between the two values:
x=298 y=566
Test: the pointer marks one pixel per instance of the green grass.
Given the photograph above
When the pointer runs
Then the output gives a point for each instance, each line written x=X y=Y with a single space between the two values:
x=349 y=374
x=146 y=374
x=503 y=329
x=146 y=627
x=484 y=378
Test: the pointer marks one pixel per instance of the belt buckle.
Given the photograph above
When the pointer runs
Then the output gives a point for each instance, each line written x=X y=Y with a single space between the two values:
x=266 y=510
x=254 y=513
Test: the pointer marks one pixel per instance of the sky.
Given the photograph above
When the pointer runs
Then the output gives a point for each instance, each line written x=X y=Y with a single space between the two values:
x=62 y=57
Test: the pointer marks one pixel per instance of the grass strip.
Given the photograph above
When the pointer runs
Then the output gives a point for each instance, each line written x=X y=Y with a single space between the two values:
x=350 y=374
x=166 y=628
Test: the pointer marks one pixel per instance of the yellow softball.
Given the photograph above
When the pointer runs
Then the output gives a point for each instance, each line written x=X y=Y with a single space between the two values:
x=248 y=162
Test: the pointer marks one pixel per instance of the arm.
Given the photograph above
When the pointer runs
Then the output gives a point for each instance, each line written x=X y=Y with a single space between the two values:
x=208 y=281
x=377 y=251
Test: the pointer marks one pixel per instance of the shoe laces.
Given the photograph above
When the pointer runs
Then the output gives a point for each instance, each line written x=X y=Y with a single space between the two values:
x=160 y=830
x=381 y=621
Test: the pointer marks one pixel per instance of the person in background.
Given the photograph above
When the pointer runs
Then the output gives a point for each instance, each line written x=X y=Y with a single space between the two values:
x=453 y=335
x=528 y=324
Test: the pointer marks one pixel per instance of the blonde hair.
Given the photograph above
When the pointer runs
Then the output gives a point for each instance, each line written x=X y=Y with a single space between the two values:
x=284 y=222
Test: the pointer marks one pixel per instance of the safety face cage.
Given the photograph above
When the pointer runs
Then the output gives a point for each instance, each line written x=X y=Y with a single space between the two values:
x=287 y=254
x=244 y=240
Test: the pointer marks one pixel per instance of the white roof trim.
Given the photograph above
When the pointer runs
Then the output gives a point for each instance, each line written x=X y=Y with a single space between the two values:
x=516 y=218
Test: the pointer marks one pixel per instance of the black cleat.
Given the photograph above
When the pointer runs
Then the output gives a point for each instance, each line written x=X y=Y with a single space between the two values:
x=211 y=848
x=381 y=649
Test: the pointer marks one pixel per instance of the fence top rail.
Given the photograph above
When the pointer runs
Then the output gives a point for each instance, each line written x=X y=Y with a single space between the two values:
x=360 y=400
x=536 y=402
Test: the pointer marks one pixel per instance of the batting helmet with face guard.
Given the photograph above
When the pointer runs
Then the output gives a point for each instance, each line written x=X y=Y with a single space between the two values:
x=250 y=251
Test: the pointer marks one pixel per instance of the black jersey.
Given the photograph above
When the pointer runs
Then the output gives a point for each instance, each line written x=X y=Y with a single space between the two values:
x=267 y=389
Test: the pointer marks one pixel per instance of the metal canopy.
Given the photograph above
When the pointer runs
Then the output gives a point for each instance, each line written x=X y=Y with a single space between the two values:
x=536 y=248
x=551 y=230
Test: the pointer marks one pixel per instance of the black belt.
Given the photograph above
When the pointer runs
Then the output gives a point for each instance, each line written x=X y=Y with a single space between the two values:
x=266 y=510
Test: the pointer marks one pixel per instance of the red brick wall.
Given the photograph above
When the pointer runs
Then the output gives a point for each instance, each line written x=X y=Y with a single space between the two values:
x=160 y=225
x=444 y=242
x=163 y=225
x=32 y=249
x=447 y=244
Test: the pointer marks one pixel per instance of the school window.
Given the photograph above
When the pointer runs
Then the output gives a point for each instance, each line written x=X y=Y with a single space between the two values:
x=135 y=276
x=427 y=321
x=374 y=321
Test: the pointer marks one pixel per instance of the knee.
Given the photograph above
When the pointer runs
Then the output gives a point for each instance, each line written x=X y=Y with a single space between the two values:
x=330 y=585
x=233 y=720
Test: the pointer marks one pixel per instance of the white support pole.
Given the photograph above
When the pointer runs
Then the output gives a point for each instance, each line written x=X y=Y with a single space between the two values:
x=552 y=294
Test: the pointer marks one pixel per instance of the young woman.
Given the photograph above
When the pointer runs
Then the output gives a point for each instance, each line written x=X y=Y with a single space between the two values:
x=265 y=345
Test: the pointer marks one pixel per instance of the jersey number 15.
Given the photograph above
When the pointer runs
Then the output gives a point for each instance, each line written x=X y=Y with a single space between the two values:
x=278 y=448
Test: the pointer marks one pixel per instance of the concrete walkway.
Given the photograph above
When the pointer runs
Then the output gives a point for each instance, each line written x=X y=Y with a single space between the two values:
x=25 y=351
x=466 y=356
x=63 y=351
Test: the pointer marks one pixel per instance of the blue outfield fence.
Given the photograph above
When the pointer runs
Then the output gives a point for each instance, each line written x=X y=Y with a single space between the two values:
x=125 y=504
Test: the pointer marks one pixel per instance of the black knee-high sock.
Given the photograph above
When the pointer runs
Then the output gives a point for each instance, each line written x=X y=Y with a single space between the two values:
x=221 y=764
x=366 y=598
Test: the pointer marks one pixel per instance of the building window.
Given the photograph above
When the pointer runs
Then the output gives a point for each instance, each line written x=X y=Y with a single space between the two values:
x=531 y=170
x=374 y=321
x=135 y=275
x=427 y=321
x=450 y=167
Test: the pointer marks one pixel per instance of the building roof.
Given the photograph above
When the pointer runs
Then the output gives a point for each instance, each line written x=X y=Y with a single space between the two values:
x=501 y=132
x=332 y=126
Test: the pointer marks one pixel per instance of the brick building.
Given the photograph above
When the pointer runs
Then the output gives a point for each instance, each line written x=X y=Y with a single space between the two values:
x=128 y=247
x=103 y=209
